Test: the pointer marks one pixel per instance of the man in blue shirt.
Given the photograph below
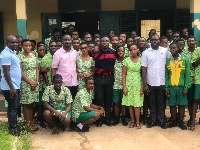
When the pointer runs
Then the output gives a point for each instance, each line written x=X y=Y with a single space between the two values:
x=11 y=80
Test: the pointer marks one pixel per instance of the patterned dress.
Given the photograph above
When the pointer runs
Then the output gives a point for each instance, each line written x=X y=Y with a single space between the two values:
x=83 y=67
x=118 y=75
x=29 y=69
x=133 y=84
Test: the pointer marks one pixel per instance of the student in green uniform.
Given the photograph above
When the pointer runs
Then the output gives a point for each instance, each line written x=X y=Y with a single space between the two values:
x=123 y=37
x=57 y=101
x=196 y=64
x=111 y=33
x=169 y=33
x=91 y=46
x=19 y=41
x=176 y=36
x=133 y=33
x=84 y=112
x=87 y=37
x=97 y=41
x=164 y=41
x=58 y=44
x=177 y=83
x=47 y=62
x=75 y=34
x=188 y=54
x=118 y=87
x=129 y=42
x=76 y=45
x=135 y=40
x=181 y=45
x=184 y=35
x=151 y=33
x=114 y=42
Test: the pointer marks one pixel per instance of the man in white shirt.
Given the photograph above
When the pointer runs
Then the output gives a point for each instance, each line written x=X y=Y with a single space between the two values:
x=153 y=76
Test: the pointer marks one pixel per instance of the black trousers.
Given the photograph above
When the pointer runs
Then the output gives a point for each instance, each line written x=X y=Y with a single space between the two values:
x=103 y=90
x=156 y=101
x=73 y=90
x=13 y=105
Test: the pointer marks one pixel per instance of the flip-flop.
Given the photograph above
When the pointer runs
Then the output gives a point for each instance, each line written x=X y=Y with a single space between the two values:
x=138 y=126
x=132 y=125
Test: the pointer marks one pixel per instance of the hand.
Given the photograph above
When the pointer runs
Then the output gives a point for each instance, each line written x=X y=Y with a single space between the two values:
x=57 y=114
x=63 y=116
x=101 y=112
x=96 y=49
x=185 y=92
x=50 y=84
x=146 y=89
x=34 y=85
x=13 y=92
x=86 y=75
x=83 y=77
x=44 y=69
x=125 y=92
x=167 y=93
x=141 y=91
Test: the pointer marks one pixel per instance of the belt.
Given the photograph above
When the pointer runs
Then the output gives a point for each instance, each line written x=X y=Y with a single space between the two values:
x=104 y=76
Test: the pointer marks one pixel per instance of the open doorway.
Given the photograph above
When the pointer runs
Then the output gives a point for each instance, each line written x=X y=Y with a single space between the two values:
x=147 y=25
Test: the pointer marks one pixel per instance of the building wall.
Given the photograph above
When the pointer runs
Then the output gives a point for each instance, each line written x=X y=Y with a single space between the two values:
x=183 y=4
x=117 y=5
x=8 y=8
x=34 y=10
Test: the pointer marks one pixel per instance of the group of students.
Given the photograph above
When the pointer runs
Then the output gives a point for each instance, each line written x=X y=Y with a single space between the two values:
x=78 y=80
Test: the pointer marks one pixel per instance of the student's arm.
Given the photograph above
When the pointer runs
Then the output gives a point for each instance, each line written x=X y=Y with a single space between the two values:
x=44 y=75
x=98 y=108
x=6 y=72
x=187 y=77
x=144 y=79
x=63 y=115
x=53 y=72
x=195 y=58
x=51 y=109
x=93 y=70
x=196 y=63
x=55 y=65
x=167 y=80
x=124 y=71
x=88 y=108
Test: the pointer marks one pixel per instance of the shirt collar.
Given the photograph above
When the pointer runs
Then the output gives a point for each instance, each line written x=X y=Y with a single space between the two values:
x=179 y=57
x=65 y=51
x=12 y=51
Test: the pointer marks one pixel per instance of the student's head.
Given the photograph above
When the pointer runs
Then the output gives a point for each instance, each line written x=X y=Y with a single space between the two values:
x=181 y=45
x=122 y=36
x=174 y=48
x=76 y=44
x=19 y=41
x=84 y=48
x=115 y=41
x=104 y=42
x=66 y=40
x=40 y=44
x=89 y=83
x=111 y=33
x=163 y=41
x=11 y=42
x=169 y=33
x=120 y=51
x=152 y=32
x=121 y=43
x=133 y=34
x=191 y=41
x=97 y=34
x=141 y=42
x=176 y=36
x=134 y=50
x=57 y=82
x=27 y=45
x=70 y=28
x=155 y=42
x=33 y=43
x=129 y=41
x=184 y=32
x=75 y=34
x=52 y=47
x=59 y=44
x=91 y=46
x=41 y=51
x=87 y=37
x=135 y=40
x=97 y=41
x=56 y=33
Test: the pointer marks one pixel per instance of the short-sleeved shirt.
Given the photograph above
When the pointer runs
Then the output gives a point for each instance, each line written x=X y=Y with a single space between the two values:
x=46 y=41
x=83 y=98
x=56 y=100
x=155 y=61
x=188 y=55
x=104 y=62
x=65 y=63
x=47 y=62
x=9 y=57
x=118 y=75
x=195 y=56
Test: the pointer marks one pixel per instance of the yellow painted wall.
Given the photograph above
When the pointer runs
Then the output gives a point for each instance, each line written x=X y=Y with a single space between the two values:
x=195 y=6
x=117 y=5
x=183 y=4
x=8 y=8
x=34 y=9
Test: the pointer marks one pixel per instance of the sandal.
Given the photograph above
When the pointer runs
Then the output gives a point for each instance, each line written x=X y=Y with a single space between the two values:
x=138 y=126
x=55 y=130
x=132 y=125
x=34 y=130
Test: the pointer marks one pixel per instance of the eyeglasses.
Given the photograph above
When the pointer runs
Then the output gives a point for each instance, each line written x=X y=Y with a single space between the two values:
x=83 y=48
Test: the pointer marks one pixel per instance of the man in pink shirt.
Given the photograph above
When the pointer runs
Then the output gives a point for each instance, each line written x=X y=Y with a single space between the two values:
x=64 y=63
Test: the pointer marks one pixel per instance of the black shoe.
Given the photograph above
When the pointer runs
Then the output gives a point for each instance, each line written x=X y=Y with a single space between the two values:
x=108 y=123
x=162 y=125
x=42 y=124
x=182 y=126
x=189 y=122
x=14 y=132
x=116 y=121
x=173 y=123
x=84 y=129
x=99 y=124
x=151 y=124
x=124 y=123
x=145 y=122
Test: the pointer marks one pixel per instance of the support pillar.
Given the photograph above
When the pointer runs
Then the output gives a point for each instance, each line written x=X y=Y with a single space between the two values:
x=195 y=19
x=21 y=18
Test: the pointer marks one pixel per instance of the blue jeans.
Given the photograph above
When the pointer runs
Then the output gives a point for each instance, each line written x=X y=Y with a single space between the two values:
x=13 y=105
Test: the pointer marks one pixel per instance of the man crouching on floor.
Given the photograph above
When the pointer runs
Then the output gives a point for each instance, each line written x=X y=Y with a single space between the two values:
x=57 y=101
x=83 y=111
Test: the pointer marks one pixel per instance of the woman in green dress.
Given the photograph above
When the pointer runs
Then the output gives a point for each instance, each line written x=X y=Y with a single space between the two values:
x=29 y=84
x=132 y=85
